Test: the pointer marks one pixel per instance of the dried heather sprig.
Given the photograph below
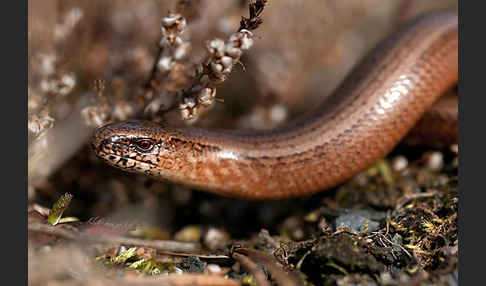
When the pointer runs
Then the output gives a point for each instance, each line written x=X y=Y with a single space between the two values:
x=71 y=18
x=39 y=119
x=218 y=64
x=94 y=116
x=256 y=9
x=97 y=114
x=173 y=47
x=172 y=50
x=118 y=108
x=52 y=81
x=221 y=57
x=172 y=27
x=38 y=123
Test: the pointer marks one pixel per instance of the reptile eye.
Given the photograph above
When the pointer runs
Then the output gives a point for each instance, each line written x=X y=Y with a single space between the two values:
x=144 y=145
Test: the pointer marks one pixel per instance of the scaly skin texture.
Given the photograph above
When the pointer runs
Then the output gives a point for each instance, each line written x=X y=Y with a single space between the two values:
x=363 y=120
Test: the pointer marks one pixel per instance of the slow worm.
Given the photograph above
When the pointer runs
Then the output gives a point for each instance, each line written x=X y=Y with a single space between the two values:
x=371 y=111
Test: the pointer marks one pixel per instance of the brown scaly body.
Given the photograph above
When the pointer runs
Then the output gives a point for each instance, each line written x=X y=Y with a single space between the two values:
x=363 y=120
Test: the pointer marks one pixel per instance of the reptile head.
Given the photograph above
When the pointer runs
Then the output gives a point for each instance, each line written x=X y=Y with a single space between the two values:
x=136 y=146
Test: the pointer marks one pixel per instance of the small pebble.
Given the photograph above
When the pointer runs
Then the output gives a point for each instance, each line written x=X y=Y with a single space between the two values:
x=356 y=222
x=278 y=113
x=455 y=148
x=213 y=268
x=443 y=180
x=434 y=161
x=386 y=278
x=399 y=163
x=216 y=238
x=190 y=233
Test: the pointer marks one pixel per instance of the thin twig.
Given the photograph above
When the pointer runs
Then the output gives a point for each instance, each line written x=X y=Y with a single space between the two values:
x=161 y=245
x=271 y=264
x=256 y=9
x=405 y=199
x=201 y=256
x=253 y=268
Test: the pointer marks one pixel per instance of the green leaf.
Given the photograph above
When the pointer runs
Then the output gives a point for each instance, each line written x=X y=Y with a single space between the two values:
x=125 y=255
x=68 y=219
x=146 y=266
x=58 y=208
x=331 y=263
x=385 y=171
x=138 y=264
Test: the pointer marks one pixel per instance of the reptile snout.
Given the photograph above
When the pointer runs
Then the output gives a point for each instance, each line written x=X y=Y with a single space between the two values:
x=115 y=136
x=102 y=136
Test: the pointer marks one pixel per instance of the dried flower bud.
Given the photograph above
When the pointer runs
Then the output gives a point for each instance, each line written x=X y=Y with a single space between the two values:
x=47 y=85
x=165 y=64
x=61 y=86
x=216 y=47
x=228 y=69
x=71 y=18
x=246 y=39
x=218 y=77
x=66 y=84
x=206 y=96
x=172 y=26
x=94 y=116
x=189 y=113
x=233 y=52
x=226 y=61
x=48 y=64
x=185 y=114
x=174 y=19
x=218 y=64
x=216 y=68
x=123 y=111
x=242 y=39
x=188 y=102
x=38 y=123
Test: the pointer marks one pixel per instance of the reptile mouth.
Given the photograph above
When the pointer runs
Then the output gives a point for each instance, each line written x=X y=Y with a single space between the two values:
x=125 y=162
